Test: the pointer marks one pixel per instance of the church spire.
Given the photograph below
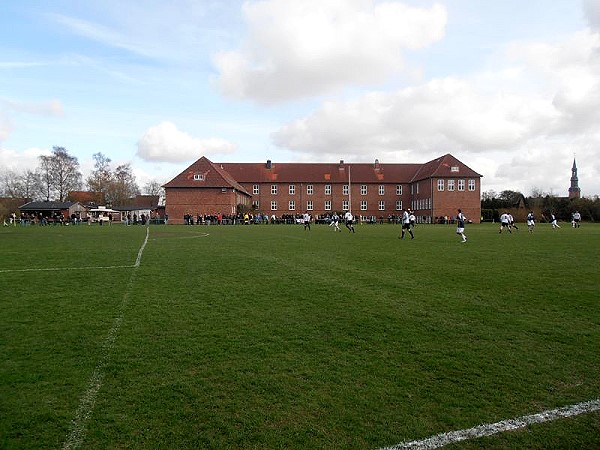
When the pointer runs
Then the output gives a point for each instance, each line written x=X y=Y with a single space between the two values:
x=574 y=191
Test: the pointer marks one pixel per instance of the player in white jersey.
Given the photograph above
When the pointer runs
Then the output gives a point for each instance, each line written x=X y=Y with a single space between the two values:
x=349 y=219
x=460 y=225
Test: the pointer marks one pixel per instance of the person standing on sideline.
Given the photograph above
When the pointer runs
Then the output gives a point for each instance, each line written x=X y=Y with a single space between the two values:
x=306 y=220
x=504 y=223
x=530 y=221
x=349 y=218
x=460 y=227
x=554 y=221
x=406 y=225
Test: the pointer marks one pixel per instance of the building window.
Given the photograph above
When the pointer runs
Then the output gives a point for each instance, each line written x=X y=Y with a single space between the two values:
x=327 y=189
x=461 y=185
x=363 y=189
x=273 y=189
x=345 y=205
x=309 y=205
x=381 y=205
x=198 y=177
x=327 y=205
x=292 y=189
x=255 y=204
x=440 y=185
x=450 y=185
x=381 y=189
x=363 y=205
x=309 y=189
x=292 y=205
x=454 y=169
x=273 y=205
x=398 y=205
x=255 y=189
x=398 y=189
x=345 y=190
x=471 y=185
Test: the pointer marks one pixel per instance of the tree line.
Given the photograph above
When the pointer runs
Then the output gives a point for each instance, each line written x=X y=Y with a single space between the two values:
x=542 y=203
x=59 y=173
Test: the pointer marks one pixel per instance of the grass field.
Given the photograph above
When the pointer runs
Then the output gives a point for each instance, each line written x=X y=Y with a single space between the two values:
x=272 y=337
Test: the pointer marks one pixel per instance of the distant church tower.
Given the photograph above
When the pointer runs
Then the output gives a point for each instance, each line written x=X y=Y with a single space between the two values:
x=574 y=191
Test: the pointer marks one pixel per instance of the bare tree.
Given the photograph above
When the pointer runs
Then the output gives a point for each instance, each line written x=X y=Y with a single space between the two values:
x=15 y=184
x=123 y=185
x=100 y=178
x=67 y=176
x=59 y=174
x=153 y=187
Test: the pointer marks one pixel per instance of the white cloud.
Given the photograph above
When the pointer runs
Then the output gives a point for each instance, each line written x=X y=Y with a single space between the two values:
x=306 y=48
x=164 y=142
x=21 y=161
x=591 y=9
x=522 y=122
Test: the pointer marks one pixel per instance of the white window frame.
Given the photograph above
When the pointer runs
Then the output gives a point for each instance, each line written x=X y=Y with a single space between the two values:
x=381 y=205
x=273 y=189
x=345 y=189
x=327 y=205
x=382 y=189
x=441 y=185
x=398 y=189
x=398 y=205
x=461 y=185
x=310 y=189
x=309 y=205
x=450 y=185
x=327 y=189
x=345 y=205
x=472 y=185
x=292 y=205
x=255 y=189
x=363 y=205
x=273 y=205
x=292 y=189
x=363 y=189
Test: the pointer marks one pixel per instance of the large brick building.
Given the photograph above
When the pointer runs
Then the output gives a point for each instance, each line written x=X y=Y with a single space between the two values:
x=432 y=190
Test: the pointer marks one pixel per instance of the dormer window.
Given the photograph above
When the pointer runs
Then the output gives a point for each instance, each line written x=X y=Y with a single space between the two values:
x=198 y=177
x=454 y=169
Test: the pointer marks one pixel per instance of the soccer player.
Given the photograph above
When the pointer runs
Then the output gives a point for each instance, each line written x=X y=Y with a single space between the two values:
x=335 y=220
x=306 y=220
x=349 y=218
x=406 y=224
x=460 y=227
x=576 y=219
x=554 y=221
x=504 y=222
x=530 y=221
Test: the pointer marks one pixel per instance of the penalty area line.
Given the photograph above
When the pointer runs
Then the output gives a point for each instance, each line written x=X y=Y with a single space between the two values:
x=490 y=429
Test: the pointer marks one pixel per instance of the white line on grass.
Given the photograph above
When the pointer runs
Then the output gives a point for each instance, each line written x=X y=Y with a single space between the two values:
x=86 y=403
x=48 y=269
x=442 y=439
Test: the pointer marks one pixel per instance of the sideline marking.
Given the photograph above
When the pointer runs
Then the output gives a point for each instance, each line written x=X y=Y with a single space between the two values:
x=88 y=400
x=490 y=429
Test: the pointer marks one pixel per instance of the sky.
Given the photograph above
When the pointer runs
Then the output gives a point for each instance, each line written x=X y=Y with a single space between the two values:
x=510 y=88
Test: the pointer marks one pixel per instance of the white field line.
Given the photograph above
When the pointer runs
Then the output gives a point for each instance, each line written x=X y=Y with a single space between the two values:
x=78 y=426
x=442 y=439
x=49 y=269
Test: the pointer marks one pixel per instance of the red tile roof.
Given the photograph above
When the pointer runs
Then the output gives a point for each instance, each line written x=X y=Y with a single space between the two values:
x=231 y=174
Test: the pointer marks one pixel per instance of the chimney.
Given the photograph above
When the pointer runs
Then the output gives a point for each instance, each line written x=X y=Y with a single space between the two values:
x=269 y=164
x=376 y=166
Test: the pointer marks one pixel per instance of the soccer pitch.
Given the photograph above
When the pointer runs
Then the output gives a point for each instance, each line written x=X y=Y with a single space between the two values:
x=270 y=336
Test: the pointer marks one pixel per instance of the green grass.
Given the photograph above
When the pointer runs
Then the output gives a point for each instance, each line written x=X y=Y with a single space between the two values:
x=266 y=336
